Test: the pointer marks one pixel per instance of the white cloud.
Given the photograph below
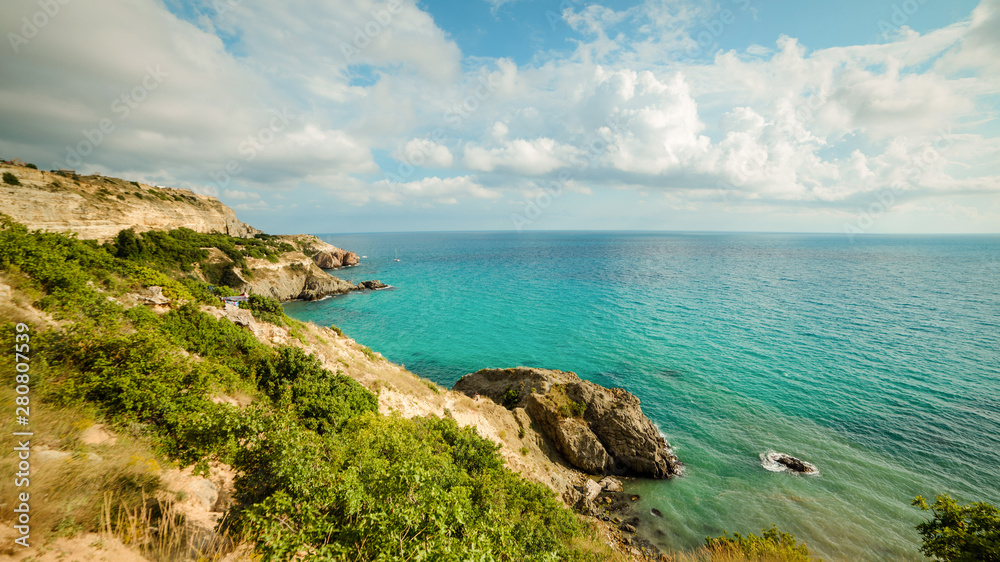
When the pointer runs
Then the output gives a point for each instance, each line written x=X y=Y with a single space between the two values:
x=426 y=153
x=519 y=156
x=240 y=195
x=768 y=126
x=434 y=189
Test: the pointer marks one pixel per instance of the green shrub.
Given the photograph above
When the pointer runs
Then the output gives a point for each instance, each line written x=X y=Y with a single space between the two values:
x=266 y=309
x=219 y=340
x=30 y=165
x=512 y=397
x=370 y=354
x=394 y=488
x=960 y=532
x=572 y=409
x=10 y=179
x=771 y=544
x=322 y=400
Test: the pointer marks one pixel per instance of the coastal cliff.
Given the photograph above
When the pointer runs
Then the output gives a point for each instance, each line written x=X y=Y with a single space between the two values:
x=97 y=207
x=597 y=430
x=179 y=348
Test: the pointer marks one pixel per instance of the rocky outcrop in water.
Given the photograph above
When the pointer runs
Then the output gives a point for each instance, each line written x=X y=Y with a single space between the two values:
x=372 y=285
x=595 y=429
x=780 y=462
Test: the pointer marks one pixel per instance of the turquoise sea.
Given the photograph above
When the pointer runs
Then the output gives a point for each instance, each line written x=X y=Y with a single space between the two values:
x=877 y=360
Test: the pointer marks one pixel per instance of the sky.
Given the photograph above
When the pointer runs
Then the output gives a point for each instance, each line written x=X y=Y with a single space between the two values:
x=401 y=115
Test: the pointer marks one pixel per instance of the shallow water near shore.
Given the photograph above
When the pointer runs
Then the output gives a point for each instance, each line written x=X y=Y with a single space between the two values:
x=874 y=359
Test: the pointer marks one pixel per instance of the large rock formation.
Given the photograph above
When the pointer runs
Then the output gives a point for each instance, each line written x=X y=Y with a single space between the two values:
x=324 y=255
x=96 y=207
x=597 y=430
x=295 y=277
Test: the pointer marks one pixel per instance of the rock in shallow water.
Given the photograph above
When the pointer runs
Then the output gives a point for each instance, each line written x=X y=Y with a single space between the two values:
x=780 y=462
x=372 y=285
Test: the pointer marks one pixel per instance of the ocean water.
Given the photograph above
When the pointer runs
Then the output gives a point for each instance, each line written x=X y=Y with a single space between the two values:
x=874 y=359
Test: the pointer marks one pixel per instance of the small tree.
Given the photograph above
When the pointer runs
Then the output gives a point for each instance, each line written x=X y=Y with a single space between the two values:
x=267 y=309
x=960 y=533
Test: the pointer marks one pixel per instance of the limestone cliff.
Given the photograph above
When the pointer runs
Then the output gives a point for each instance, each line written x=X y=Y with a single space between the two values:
x=295 y=276
x=326 y=256
x=97 y=207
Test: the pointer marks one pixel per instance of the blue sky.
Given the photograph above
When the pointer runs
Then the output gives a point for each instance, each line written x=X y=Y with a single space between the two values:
x=395 y=115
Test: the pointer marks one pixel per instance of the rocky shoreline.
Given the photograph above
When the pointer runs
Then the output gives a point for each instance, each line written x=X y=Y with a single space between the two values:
x=594 y=431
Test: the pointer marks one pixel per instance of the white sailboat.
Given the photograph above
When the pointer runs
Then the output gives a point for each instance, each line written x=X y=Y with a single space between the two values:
x=396 y=255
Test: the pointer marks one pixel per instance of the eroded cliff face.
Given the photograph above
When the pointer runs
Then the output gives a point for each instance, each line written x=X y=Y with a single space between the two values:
x=324 y=255
x=97 y=207
x=595 y=429
x=295 y=276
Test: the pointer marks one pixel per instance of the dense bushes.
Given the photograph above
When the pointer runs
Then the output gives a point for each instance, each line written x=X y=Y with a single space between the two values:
x=266 y=309
x=324 y=402
x=319 y=471
x=960 y=532
x=180 y=249
x=392 y=488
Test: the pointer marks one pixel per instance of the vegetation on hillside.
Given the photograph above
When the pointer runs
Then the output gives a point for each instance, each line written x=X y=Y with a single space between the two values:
x=771 y=545
x=960 y=533
x=182 y=249
x=320 y=472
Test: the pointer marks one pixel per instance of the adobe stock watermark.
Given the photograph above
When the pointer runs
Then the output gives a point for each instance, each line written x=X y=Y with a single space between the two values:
x=554 y=17
x=485 y=86
x=223 y=7
x=708 y=34
x=364 y=35
x=251 y=146
x=552 y=190
x=886 y=198
x=32 y=25
x=122 y=106
x=734 y=180
x=900 y=15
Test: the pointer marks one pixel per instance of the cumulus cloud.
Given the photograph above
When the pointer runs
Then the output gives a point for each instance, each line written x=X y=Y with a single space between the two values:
x=254 y=98
x=434 y=189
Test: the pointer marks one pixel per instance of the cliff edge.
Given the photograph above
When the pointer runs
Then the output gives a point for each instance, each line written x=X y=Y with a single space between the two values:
x=597 y=430
x=97 y=207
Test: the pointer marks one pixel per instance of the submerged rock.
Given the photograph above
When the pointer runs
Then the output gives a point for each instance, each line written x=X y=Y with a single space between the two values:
x=597 y=430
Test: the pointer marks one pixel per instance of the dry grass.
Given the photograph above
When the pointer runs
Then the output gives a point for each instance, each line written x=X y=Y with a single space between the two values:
x=66 y=491
x=114 y=490
x=156 y=528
